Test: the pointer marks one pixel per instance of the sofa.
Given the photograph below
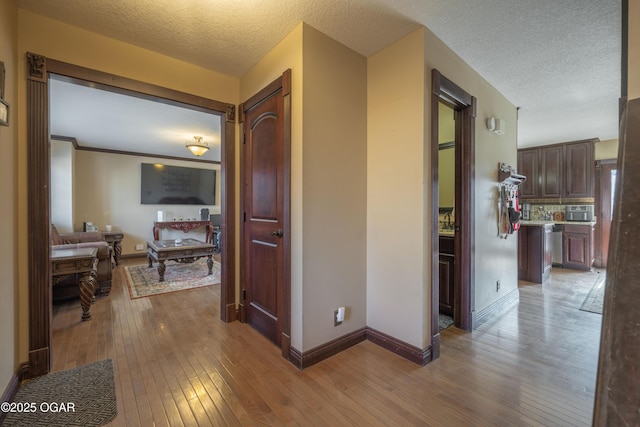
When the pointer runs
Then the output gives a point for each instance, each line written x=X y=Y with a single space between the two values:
x=66 y=288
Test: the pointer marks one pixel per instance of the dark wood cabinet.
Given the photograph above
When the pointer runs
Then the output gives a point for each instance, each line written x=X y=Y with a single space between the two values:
x=528 y=166
x=445 y=268
x=552 y=174
x=577 y=247
x=557 y=171
x=534 y=252
x=580 y=166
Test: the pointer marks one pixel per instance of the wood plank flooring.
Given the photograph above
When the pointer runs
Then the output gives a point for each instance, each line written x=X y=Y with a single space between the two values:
x=177 y=364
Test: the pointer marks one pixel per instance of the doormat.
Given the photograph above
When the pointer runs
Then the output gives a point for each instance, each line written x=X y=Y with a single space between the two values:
x=444 y=322
x=81 y=396
x=595 y=298
x=144 y=281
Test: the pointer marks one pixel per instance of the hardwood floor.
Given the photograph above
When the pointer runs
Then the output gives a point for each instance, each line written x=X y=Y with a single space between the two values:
x=177 y=364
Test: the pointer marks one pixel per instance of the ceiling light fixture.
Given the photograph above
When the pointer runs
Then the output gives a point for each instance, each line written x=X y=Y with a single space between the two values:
x=198 y=147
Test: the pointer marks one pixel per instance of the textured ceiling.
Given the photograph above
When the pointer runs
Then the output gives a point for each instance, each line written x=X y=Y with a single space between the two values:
x=559 y=61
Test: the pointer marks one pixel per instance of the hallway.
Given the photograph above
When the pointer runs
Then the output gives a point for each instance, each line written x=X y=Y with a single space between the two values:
x=177 y=364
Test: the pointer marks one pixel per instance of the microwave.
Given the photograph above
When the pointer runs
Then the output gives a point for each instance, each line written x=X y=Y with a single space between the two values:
x=582 y=213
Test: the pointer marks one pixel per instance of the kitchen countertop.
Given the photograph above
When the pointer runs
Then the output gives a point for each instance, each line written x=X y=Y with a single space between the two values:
x=446 y=233
x=558 y=222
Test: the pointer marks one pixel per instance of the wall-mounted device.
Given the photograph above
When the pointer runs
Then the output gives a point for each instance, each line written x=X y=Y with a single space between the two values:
x=496 y=125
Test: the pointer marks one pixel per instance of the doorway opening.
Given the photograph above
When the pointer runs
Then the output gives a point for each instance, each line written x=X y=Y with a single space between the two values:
x=39 y=70
x=461 y=226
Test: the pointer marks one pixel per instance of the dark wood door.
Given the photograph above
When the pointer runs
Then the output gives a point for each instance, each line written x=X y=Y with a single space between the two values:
x=605 y=171
x=579 y=169
x=263 y=214
x=552 y=179
x=528 y=166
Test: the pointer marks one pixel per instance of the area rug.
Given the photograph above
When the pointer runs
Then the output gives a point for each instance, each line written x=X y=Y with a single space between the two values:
x=595 y=298
x=144 y=281
x=82 y=396
x=444 y=322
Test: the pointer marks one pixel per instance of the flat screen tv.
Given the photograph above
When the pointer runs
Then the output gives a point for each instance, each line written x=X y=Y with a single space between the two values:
x=176 y=185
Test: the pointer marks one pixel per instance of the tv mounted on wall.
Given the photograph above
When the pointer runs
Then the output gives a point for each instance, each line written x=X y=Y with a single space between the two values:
x=176 y=185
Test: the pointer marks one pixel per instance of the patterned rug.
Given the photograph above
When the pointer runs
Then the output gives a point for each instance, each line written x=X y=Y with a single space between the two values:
x=444 y=322
x=595 y=298
x=82 y=396
x=144 y=281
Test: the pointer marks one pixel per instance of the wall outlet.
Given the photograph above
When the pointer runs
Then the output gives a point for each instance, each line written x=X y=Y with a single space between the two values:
x=498 y=286
x=338 y=316
x=140 y=247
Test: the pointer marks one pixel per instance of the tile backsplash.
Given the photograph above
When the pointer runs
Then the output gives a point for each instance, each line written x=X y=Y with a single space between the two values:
x=542 y=212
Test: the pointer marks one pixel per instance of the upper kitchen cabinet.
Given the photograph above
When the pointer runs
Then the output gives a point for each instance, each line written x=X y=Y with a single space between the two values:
x=558 y=171
x=528 y=166
x=552 y=177
x=579 y=169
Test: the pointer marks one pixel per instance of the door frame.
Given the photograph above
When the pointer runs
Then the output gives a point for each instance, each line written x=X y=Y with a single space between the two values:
x=39 y=69
x=602 y=178
x=283 y=84
x=464 y=106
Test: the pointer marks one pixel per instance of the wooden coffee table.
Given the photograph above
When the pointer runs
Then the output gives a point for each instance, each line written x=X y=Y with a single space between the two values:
x=187 y=251
x=83 y=261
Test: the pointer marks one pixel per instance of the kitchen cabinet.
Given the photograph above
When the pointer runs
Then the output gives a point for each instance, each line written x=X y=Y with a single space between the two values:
x=552 y=176
x=577 y=247
x=446 y=270
x=580 y=170
x=528 y=166
x=558 y=171
x=534 y=252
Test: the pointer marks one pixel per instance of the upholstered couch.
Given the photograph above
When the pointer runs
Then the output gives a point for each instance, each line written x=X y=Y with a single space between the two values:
x=68 y=287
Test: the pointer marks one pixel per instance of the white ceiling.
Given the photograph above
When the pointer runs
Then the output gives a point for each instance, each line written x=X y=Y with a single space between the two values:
x=105 y=120
x=559 y=61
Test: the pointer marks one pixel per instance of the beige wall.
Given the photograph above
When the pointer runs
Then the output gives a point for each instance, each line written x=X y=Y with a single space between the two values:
x=328 y=193
x=396 y=190
x=62 y=185
x=446 y=157
x=108 y=192
x=398 y=265
x=334 y=188
x=70 y=44
x=9 y=357
x=634 y=50
x=607 y=149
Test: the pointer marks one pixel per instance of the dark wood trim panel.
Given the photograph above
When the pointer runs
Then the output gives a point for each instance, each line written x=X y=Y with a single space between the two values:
x=303 y=360
x=464 y=106
x=498 y=307
x=617 y=382
x=401 y=348
x=78 y=147
x=229 y=217
x=80 y=75
x=39 y=70
x=38 y=216
x=11 y=390
x=313 y=356
x=286 y=315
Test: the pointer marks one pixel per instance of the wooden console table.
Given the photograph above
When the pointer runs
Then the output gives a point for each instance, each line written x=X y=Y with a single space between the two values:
x=114 y=239
x=84 y=261
x=184 y=226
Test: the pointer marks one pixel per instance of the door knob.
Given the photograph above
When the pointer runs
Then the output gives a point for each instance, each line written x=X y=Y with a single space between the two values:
x=278 y=233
